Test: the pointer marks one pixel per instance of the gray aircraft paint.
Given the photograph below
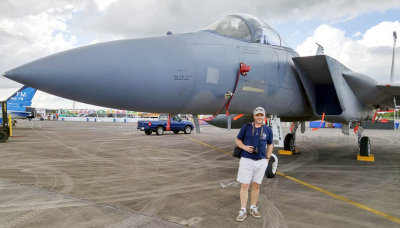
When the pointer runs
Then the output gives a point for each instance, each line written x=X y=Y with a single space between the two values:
x=190 y=73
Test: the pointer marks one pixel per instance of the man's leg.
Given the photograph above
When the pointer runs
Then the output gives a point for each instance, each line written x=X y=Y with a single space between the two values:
x=255 y=189
x=244 y=195
x=255 y=192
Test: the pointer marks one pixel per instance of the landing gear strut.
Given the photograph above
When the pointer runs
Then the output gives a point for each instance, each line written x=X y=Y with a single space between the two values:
x=290 y=139
x=364 y=144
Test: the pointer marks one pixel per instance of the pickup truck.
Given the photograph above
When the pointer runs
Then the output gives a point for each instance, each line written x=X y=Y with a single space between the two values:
x=160 y=125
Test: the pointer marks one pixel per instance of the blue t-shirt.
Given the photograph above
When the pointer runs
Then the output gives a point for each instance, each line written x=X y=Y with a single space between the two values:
x=248 y=139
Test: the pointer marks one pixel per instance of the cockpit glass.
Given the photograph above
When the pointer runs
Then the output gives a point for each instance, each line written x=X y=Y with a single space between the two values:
x=232 y=27
x=247 y=27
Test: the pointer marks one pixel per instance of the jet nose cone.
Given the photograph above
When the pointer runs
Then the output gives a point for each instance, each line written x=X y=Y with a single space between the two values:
x=30 y=74
x=118 y=74
x=9 y=74
x=15 y=75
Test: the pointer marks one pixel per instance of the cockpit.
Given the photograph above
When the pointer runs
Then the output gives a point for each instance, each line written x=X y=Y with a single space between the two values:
x=247 y=28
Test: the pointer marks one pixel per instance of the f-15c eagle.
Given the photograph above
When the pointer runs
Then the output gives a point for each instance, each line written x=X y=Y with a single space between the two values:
x=233 y=65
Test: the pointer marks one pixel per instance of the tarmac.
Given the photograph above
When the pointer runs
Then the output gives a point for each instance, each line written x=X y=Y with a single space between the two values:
x=79 y=174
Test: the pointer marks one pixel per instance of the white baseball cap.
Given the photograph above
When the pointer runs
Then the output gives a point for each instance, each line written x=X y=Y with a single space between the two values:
x=259 y=110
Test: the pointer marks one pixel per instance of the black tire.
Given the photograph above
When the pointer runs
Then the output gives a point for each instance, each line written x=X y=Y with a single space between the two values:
x=160 y=130
x=3 y=136
x=188 y=129
x=365 y=146
x=289 y=142
x=176 y=131
x=148 y=132
x=272 y=168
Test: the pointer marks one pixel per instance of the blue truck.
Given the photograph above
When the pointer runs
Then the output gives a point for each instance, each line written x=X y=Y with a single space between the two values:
x=160 y=125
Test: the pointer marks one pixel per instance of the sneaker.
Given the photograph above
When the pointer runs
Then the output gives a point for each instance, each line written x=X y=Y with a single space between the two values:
x=255 y=213
x=242 y=216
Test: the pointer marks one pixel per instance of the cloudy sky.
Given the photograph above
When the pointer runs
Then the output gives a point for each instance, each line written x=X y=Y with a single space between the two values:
x=356 y=32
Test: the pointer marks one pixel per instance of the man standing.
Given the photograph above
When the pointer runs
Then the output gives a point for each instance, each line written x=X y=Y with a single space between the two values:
x=255 y=140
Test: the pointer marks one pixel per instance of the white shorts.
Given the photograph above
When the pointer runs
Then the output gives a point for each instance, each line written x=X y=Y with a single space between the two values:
x=251 y=170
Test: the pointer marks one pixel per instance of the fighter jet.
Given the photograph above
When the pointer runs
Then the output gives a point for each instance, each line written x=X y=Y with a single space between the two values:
x=230 y=67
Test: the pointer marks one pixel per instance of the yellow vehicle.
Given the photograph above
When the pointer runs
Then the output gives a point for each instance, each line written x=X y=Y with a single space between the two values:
x=4 y=127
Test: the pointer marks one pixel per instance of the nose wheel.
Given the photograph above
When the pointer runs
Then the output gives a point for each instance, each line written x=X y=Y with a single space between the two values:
x=272 y=167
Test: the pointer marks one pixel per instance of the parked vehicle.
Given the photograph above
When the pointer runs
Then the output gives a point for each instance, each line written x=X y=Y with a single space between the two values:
x=160 y=125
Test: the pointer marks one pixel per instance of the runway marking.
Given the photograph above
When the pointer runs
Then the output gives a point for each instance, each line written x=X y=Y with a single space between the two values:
x=344 y=199
x=207 y=145
x=326 y=192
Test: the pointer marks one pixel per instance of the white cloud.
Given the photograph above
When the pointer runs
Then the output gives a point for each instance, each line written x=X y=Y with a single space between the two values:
x=357 y=34
x=380 y=35
x=370 y=55
x=136 y=18
x=5 y=93
x=102 y=5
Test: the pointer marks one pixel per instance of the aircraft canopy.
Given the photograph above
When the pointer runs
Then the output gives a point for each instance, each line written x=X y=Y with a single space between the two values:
x=248 y=28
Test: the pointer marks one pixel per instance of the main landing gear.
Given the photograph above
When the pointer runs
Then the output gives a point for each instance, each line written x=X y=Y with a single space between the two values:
x=289 y=144
x=364 y=144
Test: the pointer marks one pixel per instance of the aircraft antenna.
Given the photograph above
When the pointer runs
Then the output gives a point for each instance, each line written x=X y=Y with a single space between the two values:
x=320 y=50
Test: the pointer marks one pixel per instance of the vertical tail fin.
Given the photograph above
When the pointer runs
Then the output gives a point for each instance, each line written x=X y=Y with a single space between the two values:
x=23 y=97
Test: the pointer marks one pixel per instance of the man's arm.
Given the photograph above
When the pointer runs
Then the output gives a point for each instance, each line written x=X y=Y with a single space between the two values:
x=240 y=144
x=270 y=144
x=269 y=150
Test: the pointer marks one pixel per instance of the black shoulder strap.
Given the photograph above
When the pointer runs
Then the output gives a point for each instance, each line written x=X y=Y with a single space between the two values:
x=247 y=126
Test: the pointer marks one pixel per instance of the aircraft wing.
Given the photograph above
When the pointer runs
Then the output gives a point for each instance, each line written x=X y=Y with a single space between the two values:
x=342 y=95
x=393 y=92
x=372 y=93
x=390 y=88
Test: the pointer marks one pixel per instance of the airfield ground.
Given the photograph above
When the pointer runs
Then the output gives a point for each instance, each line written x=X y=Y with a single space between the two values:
x=78 y=174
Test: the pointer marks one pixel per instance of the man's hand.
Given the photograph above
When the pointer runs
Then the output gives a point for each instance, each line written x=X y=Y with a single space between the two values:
x=248 y=148
x=240 y=144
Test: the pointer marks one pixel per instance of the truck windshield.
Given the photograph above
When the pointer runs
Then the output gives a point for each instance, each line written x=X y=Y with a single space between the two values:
x=164 y=117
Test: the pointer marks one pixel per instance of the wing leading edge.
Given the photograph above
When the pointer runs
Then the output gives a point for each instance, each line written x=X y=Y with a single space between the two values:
x=373 y=94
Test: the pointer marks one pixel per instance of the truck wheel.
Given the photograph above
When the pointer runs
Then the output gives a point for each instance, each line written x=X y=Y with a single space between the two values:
x=148 y=132
x=160 y=130
x=188 y=129
x=176 y=131
x=3 y=136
